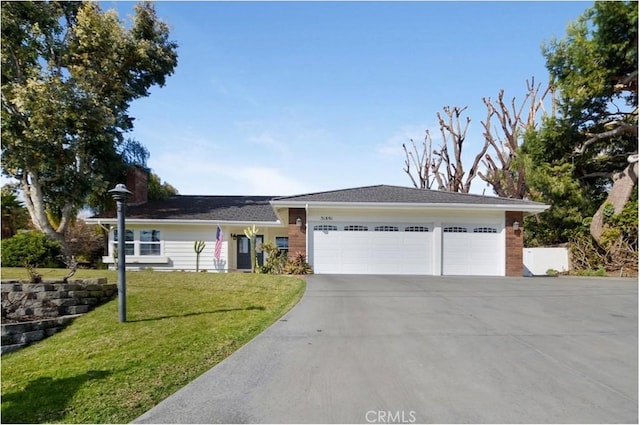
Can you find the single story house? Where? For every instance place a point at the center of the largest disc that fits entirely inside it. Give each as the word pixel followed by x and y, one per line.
pixel 364 230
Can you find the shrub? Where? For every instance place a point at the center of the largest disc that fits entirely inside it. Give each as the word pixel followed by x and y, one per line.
pixel 275 261
pixel 30 249
pixel 553 272
pixel 600 272
pixel 86 242
pixel 298 265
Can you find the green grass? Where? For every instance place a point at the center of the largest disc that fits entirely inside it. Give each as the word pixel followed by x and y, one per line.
pixel 178 326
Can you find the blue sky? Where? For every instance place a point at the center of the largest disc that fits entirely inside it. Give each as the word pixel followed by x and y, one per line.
pixel 281 98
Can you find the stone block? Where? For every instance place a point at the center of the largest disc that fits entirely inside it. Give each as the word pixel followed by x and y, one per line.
pixel 11 348
pixel 25 311
pixel 78 294
pixel 89 301
pixel 7 339
pixel 64 302
pixel 46 312
pixel 4 330
pixel 33 336
pixel 19 296
pixel 50 331
pixel 49 295
pixel 11 287
pixel 93 281
pixel 77 309
pixel 15 328
pixel 37 287
pixel 93 287
pixel 69 287
pixel 96 293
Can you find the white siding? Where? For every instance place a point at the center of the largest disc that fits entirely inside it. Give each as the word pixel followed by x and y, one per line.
pixel 177 251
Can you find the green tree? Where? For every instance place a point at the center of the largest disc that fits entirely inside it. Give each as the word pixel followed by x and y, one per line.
pixel 595 71
pixel 14 214
pixel 583 158
pixel 69 74
pixel 158 190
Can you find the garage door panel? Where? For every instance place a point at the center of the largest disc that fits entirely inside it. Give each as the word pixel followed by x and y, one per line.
pixel 372 252
pixel 471 250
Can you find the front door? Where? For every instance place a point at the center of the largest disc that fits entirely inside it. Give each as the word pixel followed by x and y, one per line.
pixel 244 252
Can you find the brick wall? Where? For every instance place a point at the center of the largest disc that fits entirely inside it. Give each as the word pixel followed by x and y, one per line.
pixel 297 235
pixel 137 182
pixel 514 244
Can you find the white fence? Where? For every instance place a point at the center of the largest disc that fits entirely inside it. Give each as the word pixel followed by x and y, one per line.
pixel 538 260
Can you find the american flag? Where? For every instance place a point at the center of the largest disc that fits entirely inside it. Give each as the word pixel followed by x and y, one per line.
pixel 218 249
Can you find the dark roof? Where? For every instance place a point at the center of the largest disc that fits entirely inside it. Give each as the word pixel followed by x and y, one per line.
pixel 224 208
pixel 258 208
pixel 398 194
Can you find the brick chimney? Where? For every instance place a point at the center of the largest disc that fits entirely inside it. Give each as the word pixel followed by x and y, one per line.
pixel 137 180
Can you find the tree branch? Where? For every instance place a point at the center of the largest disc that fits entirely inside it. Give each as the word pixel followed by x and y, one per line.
pixel 623 128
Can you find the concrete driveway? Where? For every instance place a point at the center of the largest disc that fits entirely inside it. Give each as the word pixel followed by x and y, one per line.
pixel 394 349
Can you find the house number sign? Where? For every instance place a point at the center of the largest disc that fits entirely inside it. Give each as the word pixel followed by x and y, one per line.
pixel 326 218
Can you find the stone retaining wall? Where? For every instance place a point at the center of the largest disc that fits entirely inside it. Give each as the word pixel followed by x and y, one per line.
pixel 33 311
pixel 18 335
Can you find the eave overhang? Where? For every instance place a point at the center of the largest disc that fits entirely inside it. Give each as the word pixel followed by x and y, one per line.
pixel 182 222
pixel 533 208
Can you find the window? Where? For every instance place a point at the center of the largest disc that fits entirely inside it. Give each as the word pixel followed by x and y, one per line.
pixel 416 229
pixel 149 242
pixel 325 227
pixel 282 242
pixel 128 237
pixel 386 229
pixel 455 229
pixel 485 230
pixel 356 228
pixel 243 245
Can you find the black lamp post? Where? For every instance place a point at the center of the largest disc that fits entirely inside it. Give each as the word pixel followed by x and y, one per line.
pixel 120 194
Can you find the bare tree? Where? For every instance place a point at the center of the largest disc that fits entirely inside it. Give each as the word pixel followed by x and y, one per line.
pixel 428 162
pixel 423 161
pixel 503 173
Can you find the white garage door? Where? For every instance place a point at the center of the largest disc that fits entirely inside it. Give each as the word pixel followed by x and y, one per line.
pixel 350 248
pixel 472 250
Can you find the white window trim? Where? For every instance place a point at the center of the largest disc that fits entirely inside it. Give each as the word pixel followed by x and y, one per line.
pixel 157 243
pixel 137 257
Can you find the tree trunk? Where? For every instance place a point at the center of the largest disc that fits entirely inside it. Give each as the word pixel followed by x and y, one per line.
pixel 34 201
pixel 623 184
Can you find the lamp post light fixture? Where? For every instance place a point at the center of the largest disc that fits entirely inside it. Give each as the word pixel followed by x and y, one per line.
pixel 516 225
pixel 120 193
pixel 299 222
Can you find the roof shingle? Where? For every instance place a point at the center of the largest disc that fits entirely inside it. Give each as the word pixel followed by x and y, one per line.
pixel 259 208
pixel 399 194
pixel 188 207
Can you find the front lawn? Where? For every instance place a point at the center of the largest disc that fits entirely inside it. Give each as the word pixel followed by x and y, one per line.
pixel 179 325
